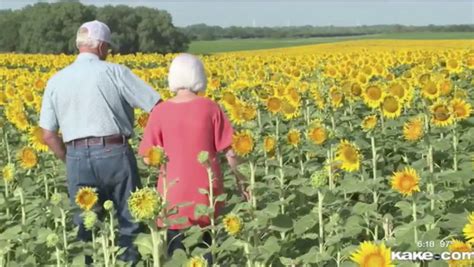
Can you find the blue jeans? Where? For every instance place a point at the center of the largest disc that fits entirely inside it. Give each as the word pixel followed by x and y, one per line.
pixel 113 171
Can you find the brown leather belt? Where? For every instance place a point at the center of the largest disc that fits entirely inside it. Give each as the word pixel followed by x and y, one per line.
pixel 91 141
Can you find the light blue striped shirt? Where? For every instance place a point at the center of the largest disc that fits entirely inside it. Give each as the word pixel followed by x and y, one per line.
pixel 92 97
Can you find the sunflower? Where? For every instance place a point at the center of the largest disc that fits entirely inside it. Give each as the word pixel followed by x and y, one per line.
pixel 317 134
pixel 369 122
pixel 196 261
pixel 86 197
pixel 445 87
pixel 468 229
pixel 373 96
pixel 36 139
pixel 453 66
pixel 289 110
pixel 461 109
pixel 228 98
pixel 156 156
pixel 8 172
pixel 236 113
pixel 430 90
pixel 406 181
pixel 144 204
pixel 413 129
pixel 441 114
pixel 269 144
pixel 336 97
pixel 348 155
pixel 242 143
pixel 459 246
pixel 371 255
pixel 294 137
pixel 391 107
pixel 232 224
pixel 28 158
pixel 142 120
pixel 89 219
pixel 249 112
pixel 274 104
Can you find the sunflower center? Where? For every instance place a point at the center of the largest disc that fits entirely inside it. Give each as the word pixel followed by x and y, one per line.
pixel 460 110
pixel 397 90
pixel 390 104
pixel 274 104
pixel 441 113
pixel 431 88
pixel 374 260
pixel 356 90
pixel 350 154
pixel 374 93
pixel 407 183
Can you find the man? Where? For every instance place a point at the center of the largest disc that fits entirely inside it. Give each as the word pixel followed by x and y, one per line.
pixel 92 102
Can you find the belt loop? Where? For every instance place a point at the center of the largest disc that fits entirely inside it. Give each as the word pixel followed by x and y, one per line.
pixel 123 139
pixel 73 143
pixel 103 140
pixel 87 142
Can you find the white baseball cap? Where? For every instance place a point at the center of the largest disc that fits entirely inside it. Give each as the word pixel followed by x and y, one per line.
pixel 98 30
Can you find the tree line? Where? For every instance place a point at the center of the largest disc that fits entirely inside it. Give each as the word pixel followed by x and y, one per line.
pixel 205 32
pixel 51 28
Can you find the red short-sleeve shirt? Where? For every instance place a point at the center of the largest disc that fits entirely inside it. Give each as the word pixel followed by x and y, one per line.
pixel 183 130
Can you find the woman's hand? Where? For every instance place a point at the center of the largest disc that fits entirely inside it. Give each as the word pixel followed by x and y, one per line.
pixel 234 161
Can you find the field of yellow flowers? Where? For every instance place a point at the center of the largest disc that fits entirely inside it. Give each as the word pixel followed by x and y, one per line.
pixel 352 151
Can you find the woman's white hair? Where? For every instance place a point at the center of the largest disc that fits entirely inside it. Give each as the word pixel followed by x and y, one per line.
pixel 187 72
pixel 83 39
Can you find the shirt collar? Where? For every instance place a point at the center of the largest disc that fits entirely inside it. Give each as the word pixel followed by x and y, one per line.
pixel 87 56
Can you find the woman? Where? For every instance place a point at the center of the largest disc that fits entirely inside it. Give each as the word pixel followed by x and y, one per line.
pixel 184 126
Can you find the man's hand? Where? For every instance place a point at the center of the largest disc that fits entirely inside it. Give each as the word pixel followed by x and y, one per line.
pixel 55 143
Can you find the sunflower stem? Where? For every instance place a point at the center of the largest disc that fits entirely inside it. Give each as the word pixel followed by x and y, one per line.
pixel 374 174
pixel 22 203
pixel 155 238
pixel 7 194
pixel 212 208
pixel 63 226
pixel 259 120
pixel 329 158
pixel 455 148
pixel 112 238
pixel 252 184
pixel 105 249
pixel 415 221
pixel 46 187
pixel 93 248
pixel 58 258
pixel 321 223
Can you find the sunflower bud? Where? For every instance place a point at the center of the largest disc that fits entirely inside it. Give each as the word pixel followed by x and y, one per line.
pixel 196 261
pixel 203 157
pixel 156 156
pixel 56 199
pixel 319 179
pixel 108 205
pixel 90 218
pixel 145 204
pixel 51 240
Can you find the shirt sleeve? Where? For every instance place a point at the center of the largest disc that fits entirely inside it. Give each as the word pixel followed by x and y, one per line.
pixel 152 135
pixel 223 131
pixel 48 119
pixel 136 92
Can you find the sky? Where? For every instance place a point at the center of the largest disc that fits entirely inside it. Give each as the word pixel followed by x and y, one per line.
pixel 297 13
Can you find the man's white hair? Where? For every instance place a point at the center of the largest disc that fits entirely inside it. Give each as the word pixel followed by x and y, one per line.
pixel 83 39
pixel 187 72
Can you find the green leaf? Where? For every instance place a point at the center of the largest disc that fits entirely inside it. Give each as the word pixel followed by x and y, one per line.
pixel 304 224
pixel 282 223
pixel 144 244
pixel 203 191
pixel 362 208
pixel 11 233
pixel 405 207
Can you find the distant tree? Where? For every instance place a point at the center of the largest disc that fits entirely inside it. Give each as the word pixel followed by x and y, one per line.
pixel 9 23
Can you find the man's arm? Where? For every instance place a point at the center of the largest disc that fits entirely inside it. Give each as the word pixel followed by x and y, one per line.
pixel 55 143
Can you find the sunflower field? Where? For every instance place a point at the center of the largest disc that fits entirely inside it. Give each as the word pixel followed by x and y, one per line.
pixel 352 151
